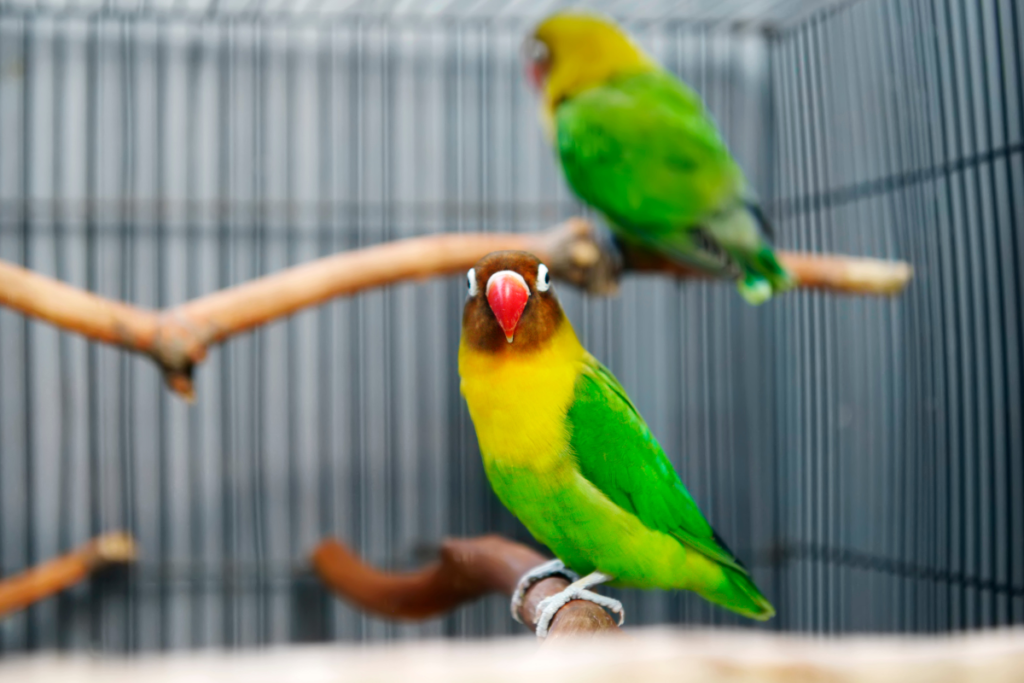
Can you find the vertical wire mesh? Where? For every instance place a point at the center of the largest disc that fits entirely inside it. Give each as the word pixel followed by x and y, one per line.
pixel 900 137
pixel 859 454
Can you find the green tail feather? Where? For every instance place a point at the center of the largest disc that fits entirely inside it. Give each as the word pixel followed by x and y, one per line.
pixel 741 595
pixel 750 603
pixel 763 276
pixel 742 232
pixel 732 244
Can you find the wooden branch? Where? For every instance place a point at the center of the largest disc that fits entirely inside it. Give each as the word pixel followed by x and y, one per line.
pixel 467 569
pixel 40 582
pixel 829 273
pixel 178 338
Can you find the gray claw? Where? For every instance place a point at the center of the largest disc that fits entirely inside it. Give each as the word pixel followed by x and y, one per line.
pixel 549 607
pixel 542 571
pixel 578 590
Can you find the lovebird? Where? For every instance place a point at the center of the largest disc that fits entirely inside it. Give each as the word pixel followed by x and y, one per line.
pixel 568 454
pixel 638 145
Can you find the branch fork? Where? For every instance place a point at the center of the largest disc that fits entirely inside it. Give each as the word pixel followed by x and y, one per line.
pixel 179 338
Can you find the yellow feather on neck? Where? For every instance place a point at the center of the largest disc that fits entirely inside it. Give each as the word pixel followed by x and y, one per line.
pixel 586 50
pixel 518 400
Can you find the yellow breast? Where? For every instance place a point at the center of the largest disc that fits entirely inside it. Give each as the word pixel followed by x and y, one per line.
pixel 518 401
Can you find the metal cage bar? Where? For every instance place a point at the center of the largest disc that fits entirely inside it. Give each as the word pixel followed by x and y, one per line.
pixel 861 455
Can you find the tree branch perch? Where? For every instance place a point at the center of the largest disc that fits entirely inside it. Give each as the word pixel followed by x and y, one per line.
pixel 21 590
pixel 468 568
pixel 178 338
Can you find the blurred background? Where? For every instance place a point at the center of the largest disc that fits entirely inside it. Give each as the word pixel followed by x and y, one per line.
pixel 864 456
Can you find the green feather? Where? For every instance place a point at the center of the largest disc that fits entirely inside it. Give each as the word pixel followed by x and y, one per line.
pixel 643 151
pixel 619 455
pixel 566 451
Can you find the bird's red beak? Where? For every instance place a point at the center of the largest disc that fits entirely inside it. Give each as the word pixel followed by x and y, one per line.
pixel 537 62
pixel 507 294
pixel 536 74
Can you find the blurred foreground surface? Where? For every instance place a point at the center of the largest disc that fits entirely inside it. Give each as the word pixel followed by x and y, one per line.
pixel 651 656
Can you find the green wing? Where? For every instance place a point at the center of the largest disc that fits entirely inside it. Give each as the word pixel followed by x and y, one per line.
pixel 618 454
pixel 642 150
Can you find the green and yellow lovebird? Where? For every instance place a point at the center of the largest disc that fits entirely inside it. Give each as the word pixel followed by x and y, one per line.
pixel 638 145
pixel 568 453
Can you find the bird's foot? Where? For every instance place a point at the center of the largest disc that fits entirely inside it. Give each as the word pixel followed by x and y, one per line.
pixel 578 590
pixel 539 573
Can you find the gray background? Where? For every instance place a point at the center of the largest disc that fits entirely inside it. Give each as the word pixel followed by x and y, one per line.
pixel 862 455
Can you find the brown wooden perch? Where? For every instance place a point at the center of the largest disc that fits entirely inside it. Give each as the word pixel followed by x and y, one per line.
pixel 178 338
pixel 468 568
pixel 40 582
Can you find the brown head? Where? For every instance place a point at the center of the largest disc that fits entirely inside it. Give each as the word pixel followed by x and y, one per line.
pixel 511 305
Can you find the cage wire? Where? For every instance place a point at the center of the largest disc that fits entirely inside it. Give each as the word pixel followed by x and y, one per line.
pixel 863 456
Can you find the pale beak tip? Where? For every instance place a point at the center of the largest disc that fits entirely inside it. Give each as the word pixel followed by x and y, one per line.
pixel 509 337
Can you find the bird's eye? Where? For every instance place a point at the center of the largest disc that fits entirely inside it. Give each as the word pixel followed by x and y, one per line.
pixel 543 278
pixel 535 52
pixel 471 281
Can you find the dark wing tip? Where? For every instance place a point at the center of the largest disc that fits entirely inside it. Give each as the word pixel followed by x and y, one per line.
pixel 724 546
pixel 758 213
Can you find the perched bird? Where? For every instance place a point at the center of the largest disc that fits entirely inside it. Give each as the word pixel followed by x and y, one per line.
pixel 638 145
pixel 567 452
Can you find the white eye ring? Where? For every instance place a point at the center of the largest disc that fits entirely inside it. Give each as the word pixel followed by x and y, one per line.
pixel 535 51
pixel 471 281
pixel 543 279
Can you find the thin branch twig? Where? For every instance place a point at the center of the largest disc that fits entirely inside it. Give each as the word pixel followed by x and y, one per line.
pixel 40 582
pixel 468 568
pixel 178 338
